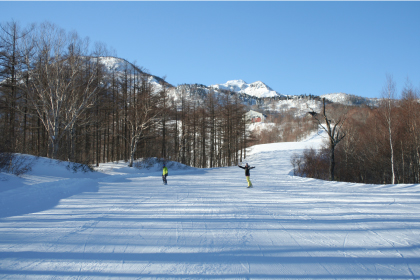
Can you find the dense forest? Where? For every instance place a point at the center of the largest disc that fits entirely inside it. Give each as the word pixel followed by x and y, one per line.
pixel 59 99
pixel 381 144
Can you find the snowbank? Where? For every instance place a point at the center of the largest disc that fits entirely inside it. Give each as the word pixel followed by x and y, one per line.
pixel 49 181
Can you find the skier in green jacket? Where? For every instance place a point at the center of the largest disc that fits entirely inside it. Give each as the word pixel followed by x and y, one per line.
pixel 165 174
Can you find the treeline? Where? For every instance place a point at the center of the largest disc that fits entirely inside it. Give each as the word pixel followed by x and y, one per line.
pixel 381 146
pixel 285 127
pixel 60 99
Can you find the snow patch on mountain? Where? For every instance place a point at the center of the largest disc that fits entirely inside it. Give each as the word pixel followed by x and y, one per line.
pixel 118 64
pixel 299 107
pixel 350 99
pixel 257 89
pixel 122 67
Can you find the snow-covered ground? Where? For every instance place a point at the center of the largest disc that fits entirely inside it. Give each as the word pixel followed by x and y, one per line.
pixel 122 223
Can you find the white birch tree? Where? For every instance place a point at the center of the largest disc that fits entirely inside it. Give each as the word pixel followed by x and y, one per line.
pixel 62 82
pixel 144 111
pixel 388 94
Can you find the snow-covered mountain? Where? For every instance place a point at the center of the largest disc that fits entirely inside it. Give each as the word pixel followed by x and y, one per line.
pixel 120 65
pixel 252 94
pixel 257 95
pixel 350 99
pixel 257 89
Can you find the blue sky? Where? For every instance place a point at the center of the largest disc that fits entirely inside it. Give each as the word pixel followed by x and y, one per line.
pixel 293 47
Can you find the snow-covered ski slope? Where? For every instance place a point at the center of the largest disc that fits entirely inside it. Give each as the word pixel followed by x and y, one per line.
pixel 205 224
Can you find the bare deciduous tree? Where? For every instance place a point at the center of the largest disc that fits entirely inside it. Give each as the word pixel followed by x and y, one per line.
pixel 334 131
pixel 144 111
pixel 388 94
pixel 11 68
pixel 62 81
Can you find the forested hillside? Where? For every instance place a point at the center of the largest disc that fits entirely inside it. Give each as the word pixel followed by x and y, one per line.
pixel 381 144
pixel 65 99
pixel 62 98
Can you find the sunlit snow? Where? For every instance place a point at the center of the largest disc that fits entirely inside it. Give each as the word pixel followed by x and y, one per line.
pixel 122 223
pixel 256 89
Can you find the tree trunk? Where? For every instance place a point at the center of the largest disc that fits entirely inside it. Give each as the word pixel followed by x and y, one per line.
pixel 332 161
pixel 133 148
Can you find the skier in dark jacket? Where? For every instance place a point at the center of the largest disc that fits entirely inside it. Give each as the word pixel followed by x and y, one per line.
pixel 247 173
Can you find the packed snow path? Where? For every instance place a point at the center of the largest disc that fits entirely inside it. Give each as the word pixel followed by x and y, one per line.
pixel 205 224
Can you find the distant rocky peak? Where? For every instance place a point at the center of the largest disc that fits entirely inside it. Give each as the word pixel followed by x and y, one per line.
pixel 259 85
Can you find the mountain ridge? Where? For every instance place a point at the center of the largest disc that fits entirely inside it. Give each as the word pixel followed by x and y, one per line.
pixel 258 89
pixel 255 93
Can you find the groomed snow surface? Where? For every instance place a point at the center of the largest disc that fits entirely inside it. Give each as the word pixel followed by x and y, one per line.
pixel 122 223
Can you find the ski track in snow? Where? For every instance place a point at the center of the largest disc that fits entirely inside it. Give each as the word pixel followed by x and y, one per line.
pixel 205 224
